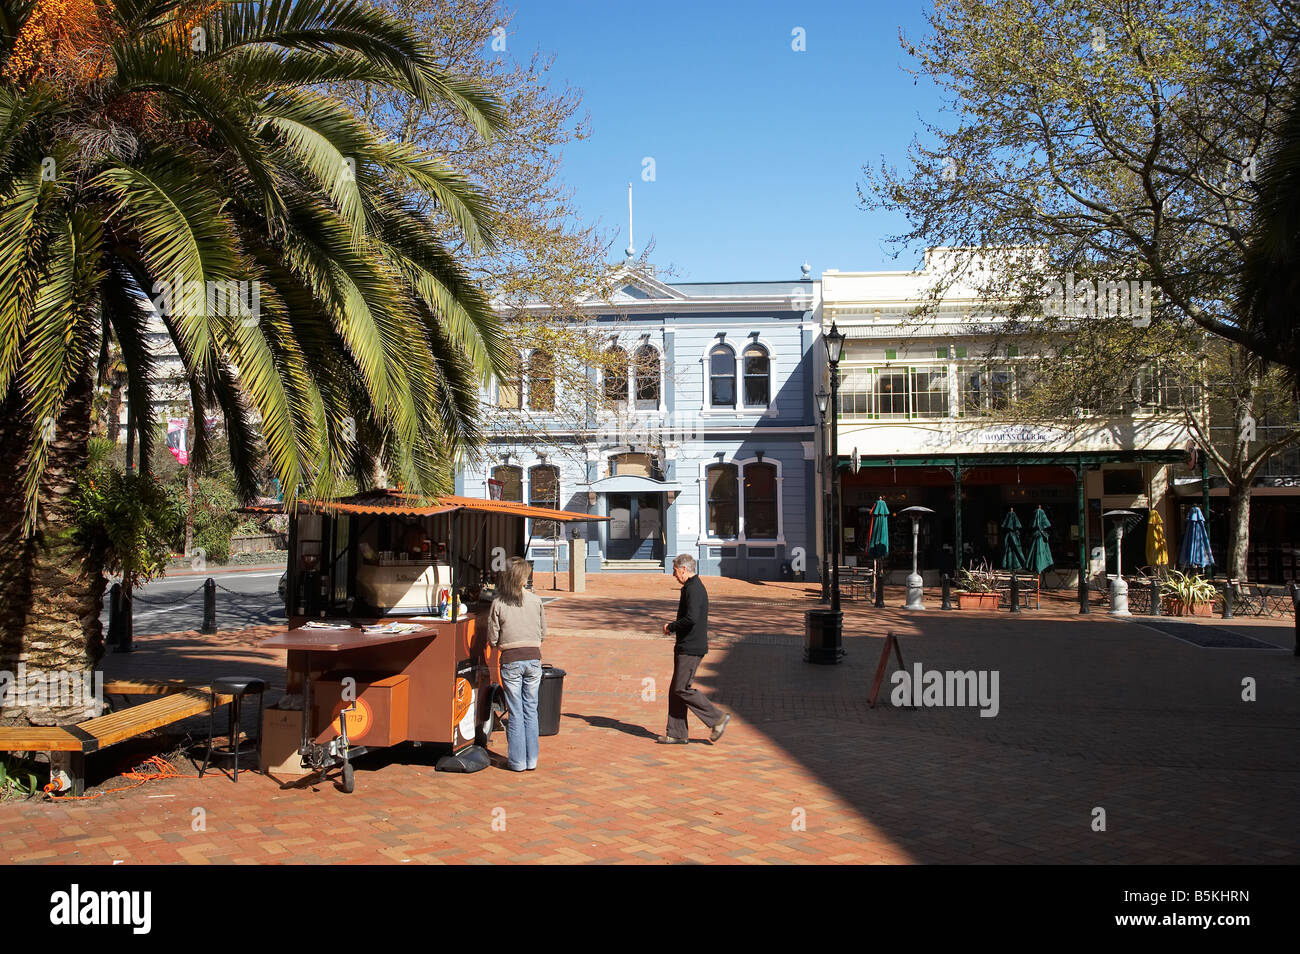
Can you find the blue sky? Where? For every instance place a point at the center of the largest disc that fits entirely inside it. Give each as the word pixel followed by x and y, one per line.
pixel 758 149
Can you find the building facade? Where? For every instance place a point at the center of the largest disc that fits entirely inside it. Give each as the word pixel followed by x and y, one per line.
pixel 925 420
pixel 696 436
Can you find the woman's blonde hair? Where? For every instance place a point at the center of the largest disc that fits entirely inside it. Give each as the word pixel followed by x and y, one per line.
pixel 512 580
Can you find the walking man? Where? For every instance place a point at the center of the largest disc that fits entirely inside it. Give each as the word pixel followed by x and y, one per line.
pixel 691 627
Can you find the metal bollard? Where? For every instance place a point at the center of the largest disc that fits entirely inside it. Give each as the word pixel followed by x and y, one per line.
pixel 947 592
pixel 114 614
pixel 1227 599
pixel 880 590
pixel 1155 597
pixel 1015 592
pixel 126 621
pixel 209 607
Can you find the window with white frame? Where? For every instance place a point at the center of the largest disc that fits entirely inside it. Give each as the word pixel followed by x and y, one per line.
pixel 757 367
pixel 986 391
pixel 742 501
pixel 544 491
pixel 615 391
pixel 722 376
pixel 510 389
pixel 511 479
pixel 541 381
pixel 722 496
pixel 894 392
pixel 760 501
pixel 646 377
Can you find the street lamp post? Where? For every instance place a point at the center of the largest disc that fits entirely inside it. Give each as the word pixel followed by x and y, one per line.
pixel 834 351
pixel 822 398
pixel 824 628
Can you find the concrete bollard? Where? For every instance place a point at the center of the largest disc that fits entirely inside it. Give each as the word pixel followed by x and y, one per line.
pixel 1227 599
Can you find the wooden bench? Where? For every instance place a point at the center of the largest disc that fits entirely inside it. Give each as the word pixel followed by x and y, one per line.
pixel 69 745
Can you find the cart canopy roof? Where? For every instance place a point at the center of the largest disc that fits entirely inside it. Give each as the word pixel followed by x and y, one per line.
pixel 398 504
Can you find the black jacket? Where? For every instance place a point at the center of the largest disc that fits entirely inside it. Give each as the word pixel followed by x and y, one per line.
pixel 692 624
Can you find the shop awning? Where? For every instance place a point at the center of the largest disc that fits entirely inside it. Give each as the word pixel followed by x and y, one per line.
pixel 393 503
pixel 1026 458
pixel 632 484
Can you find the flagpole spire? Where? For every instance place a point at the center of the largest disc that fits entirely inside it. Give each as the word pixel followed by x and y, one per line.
pixel 631 250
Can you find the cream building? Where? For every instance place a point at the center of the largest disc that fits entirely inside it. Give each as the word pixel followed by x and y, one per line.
pixel 924 421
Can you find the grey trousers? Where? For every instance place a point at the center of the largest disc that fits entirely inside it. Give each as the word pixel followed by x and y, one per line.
pixel 682 697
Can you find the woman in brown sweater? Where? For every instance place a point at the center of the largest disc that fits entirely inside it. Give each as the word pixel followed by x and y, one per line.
pixel 517 626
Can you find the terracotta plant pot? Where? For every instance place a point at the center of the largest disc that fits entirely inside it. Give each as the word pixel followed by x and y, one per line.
pixel 977 601
pixel 1175 607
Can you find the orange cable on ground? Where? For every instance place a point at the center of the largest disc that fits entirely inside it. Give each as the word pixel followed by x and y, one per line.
pixel 162 769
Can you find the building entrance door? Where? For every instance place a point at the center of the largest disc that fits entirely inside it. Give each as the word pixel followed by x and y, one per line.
pixel 636 527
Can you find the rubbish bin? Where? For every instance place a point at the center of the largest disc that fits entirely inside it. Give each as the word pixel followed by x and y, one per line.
pixel 823 637
pixel 548 700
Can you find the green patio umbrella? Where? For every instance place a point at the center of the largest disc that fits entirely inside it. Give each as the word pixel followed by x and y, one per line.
pixel 878 538
pixel 1013 555
pixel 1040 554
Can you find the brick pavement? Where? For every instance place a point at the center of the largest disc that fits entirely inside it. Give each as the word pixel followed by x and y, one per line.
pixel 1094 712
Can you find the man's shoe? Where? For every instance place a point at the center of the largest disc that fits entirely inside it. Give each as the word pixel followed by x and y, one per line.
pixel 669 740
pixel 720 728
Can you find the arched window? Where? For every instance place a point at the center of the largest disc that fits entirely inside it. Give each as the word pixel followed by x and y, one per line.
pixel 615 376
pixel 541 381
pixel 722 377
pixel 645 371
pixel 757 367
pixel 760 502
pixel 544 491
pixel 511 479
pixel 722 491
pixel 509 389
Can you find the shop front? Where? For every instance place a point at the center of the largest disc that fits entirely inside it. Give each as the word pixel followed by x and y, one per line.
pixel 971 495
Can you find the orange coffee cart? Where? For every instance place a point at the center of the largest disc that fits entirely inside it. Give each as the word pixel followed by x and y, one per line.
pixel 387 598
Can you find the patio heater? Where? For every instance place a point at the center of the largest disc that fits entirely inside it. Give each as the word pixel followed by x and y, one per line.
pixel 1118 588
pixel 915 595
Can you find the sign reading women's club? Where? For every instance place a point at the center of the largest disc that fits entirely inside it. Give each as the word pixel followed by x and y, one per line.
pixel 1013 434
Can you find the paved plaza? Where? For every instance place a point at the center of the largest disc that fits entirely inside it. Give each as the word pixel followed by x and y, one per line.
pixel 1094 713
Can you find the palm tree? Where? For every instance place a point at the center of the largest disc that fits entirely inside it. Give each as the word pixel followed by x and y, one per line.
pixel 154 155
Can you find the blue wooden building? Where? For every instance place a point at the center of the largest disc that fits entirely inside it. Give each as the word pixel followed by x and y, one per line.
pixel 697 436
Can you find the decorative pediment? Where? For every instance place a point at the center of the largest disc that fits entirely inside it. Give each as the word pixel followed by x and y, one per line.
pixel 630 284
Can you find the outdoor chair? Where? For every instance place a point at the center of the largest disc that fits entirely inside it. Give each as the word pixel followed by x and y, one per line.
pixel 236 687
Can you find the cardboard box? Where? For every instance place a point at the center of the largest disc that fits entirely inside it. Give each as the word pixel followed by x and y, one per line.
pixel 281 736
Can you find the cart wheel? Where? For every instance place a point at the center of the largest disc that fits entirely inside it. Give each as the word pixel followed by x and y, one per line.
pixel 348 780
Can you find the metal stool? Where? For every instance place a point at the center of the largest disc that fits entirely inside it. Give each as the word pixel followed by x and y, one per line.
pixel 237 687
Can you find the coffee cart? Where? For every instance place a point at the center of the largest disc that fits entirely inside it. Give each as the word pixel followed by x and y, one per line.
pixel 387 641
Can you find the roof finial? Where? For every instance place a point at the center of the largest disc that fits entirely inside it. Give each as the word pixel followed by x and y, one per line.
pixel 806 269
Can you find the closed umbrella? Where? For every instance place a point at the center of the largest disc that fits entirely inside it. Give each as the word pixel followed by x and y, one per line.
pixel 878 538
pixel 1195 550
pixel 1157 545
pixel 1013 555
pixel 1040 554
pixel 878 544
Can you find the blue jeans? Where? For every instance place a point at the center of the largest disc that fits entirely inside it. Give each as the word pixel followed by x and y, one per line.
pixel 522 682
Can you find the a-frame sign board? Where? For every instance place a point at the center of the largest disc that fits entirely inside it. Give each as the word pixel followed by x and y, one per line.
pixel 891 642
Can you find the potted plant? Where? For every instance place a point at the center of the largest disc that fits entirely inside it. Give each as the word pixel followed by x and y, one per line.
pixel 1187 594
pixel 977 588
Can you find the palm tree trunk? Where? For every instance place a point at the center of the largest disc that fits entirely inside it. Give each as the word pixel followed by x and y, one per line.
pixel 50 585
